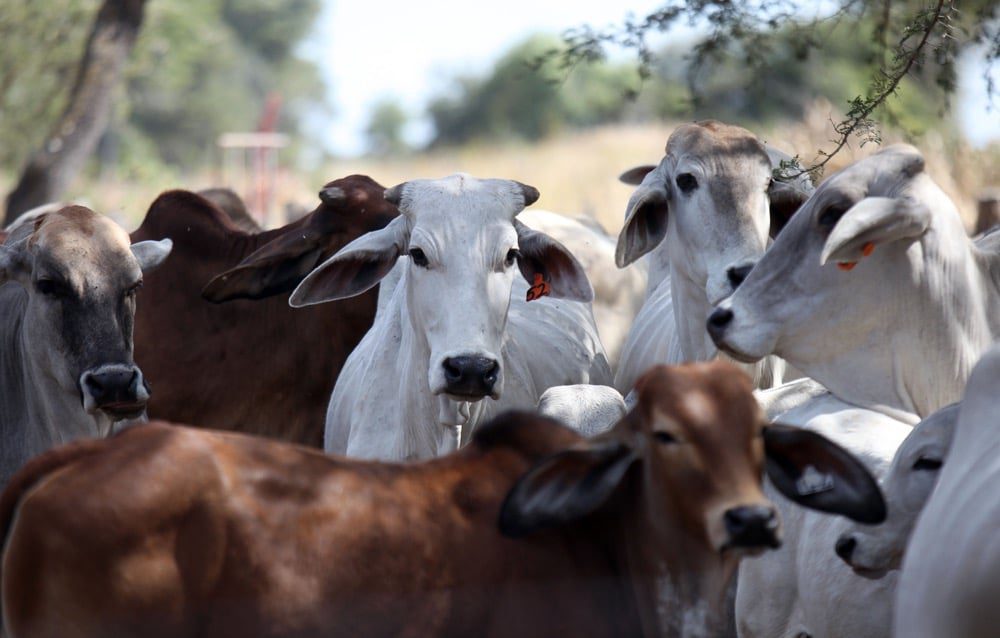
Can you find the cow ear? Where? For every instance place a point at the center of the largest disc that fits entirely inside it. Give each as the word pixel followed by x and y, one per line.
pixel 542 256
pixel 357 267
pixel 274 268
pixel 150 254
pixel 817 473
pixel 10 264
pixel 565 487
pixel 785 198
pixel 645 220
pixel 636 174
pixel 874 221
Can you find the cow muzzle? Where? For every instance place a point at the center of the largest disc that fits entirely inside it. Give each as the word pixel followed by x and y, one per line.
pixel 751 528
pixel 118 390
pixel 471 377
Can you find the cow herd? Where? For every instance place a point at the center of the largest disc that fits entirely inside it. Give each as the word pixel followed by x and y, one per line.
pixel 525 424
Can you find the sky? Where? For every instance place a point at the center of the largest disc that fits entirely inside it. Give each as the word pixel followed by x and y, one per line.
pixel 369 50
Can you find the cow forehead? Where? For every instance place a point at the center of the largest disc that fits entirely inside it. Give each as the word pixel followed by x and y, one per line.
pixel 459 207
pixel 702 399
pixel 79 239
pixel 717 146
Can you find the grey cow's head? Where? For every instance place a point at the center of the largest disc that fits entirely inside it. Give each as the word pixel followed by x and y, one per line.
pixel 711 202
pixel 81 276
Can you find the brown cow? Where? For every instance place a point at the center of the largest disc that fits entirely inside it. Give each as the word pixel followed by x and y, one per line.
pixel 254 366
pixel 530 530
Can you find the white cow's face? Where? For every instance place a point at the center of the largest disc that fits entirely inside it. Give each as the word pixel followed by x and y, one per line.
pixel 708 202
pixel 464 248
pixel 837 278
pixel 81 277
pixel 872 551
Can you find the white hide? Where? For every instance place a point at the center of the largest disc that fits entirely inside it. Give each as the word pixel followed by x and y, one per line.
pixel 390 401
pixel 588 409
pixel 803 588
pixel 900 331
pixel 618 293
pixel 950 581
pixel 693 239
pixel 876 549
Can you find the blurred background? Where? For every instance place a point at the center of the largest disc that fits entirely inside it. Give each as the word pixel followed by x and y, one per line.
pixel 273 98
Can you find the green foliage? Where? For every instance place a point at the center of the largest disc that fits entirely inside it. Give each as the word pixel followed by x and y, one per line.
pixel 518 100
pixel 198 69
pixel 385 128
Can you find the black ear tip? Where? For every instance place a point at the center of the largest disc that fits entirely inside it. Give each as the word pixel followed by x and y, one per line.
pixel 530 193
pixel 332 194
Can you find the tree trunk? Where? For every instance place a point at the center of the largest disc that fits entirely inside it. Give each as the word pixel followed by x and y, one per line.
pixel 74 137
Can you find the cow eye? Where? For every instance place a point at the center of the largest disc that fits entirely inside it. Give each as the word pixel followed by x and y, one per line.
pixel 831 215
pixel 664 437
pixel 418 257
pixel 927 464
pixel 130 292
pixel 52 288
pixel 686 182
pixel 512 256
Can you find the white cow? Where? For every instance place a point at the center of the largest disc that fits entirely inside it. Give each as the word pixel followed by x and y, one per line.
pixel 618 293
pixel 456 327
pixel 950 581
pixel 68 281
pixel 873 551
pixel 703 215
pixel 873 289
pixel 803 588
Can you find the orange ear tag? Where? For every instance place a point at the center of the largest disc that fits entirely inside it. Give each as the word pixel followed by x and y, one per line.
pixel 846 265
pixel 868 249
pixel 539 289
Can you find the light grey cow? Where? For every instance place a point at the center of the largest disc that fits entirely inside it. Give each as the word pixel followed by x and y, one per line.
pixel 68 281
pixel 873 551
pixel 950 581
pixel 703 216
pixel 456 340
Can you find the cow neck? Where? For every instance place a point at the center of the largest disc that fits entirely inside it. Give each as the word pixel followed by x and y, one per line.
pixel 690 310
pixel 422 413
pixel 680 587
pixel 937 335
pixel 36 413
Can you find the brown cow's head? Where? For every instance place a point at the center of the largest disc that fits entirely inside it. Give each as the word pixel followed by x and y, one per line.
pixel 81 276
pixel 690 456
pixel 349 207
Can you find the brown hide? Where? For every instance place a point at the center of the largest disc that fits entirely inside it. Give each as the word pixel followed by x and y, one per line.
pixel 253 366
pixel 217 534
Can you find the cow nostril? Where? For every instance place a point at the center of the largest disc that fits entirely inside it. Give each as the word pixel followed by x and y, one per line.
pixel 452 372
pixel 720 318
pixel 737 274
pixel 93 384
pixel 845 547
pixel 490 376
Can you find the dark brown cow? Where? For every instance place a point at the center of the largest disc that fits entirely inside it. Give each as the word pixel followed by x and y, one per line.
pixel 254 366
pixel 530 530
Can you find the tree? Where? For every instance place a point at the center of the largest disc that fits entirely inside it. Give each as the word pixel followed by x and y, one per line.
pixel 76 133
pixel 385 128
pixel 910 37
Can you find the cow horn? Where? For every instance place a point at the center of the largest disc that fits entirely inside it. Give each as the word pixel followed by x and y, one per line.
pixel 332 194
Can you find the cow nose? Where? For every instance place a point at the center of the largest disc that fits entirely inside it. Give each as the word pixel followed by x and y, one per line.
pixel 737 274
pixel 845 547
pixel 717 323
pixel 470 376
pixel 752 526
pixel 119 390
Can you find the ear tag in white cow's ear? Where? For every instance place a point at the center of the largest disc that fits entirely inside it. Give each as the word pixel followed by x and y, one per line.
pixel 813 481
pixel 540 288
pixel 866 250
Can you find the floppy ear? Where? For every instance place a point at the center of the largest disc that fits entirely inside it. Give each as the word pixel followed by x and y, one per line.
pixel 276 267
pixel 874 220
pixel 10 264
pixel 565 487
pixel 357 267
pixel 817 473
pixel 559 269
pixel 785 198
pixel 645 220
pixel 150 254
pixel 636 174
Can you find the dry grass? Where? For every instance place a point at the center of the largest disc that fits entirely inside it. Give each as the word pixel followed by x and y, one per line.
pixel 576 172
